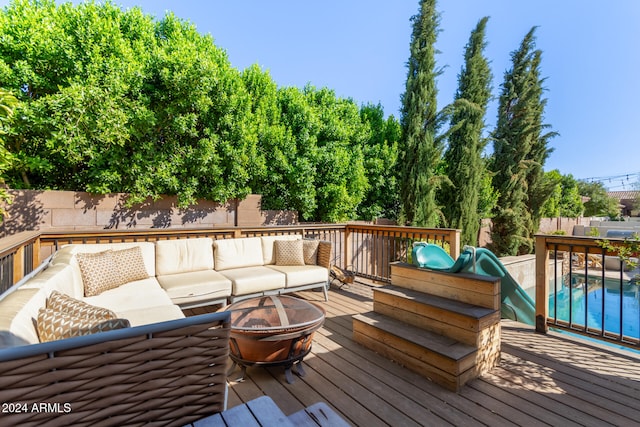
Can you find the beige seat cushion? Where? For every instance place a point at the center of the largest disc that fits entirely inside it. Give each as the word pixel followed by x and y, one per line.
pixel 251 280
pixel 195 286
pixel 268 254
pixel 298 275
pixel 133 295
pixel 149 315
pixel 237 253
pixel 184 255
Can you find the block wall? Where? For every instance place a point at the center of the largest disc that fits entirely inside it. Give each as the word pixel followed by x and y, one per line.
pixel 72 210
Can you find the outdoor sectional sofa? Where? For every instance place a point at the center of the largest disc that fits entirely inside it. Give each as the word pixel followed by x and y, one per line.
pixel 149 282
pixel 137 358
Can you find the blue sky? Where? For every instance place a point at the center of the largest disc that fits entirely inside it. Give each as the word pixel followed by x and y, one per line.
pixel 359 48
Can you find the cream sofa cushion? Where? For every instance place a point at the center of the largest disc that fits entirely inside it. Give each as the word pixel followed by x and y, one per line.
pixel 184 255
pixel 268 254
pixel 195 286
pixel 249 280
pixel 133 295
pixel 298 275
pixel 148 315
pixel 238 253
pixel 18 311
pixel 62 277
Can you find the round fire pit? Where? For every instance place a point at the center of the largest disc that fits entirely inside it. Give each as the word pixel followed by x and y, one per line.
pixel 272 331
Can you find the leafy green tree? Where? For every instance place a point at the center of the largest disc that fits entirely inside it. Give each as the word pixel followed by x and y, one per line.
pixel 203 142
pixel 314 150
pixel 488 195
pixel 421 150
pixel 278 183
pixel 340 160
pixel 297 189
pixel 463 160
pixel 114 101
pixel 598 203
pixel 380 158
pixel 537 187
pixel 519 152
pixel 8 102
pixel 564 199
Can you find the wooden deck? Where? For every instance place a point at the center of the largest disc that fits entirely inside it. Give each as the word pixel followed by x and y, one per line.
pixel 541 380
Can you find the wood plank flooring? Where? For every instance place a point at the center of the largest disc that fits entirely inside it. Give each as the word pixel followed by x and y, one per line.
pixel 541 380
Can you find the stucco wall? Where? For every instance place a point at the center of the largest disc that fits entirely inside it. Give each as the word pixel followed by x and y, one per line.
pixel 71 210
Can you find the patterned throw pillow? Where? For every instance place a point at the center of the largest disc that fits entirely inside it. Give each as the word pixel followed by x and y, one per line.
pixel 130 264
pixel 310 250
pixel 64 303
pixel 289 252
pixel 54 325
pixel 99 272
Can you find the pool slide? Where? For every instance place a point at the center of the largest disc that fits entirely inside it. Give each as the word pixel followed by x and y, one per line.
pixel 516 303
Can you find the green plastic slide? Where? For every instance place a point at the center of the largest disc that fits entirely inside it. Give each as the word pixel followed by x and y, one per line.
pixel 516 303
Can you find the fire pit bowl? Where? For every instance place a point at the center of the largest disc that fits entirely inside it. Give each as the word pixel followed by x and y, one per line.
pixel 273 330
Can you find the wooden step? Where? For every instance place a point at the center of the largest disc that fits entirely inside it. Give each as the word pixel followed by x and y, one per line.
pixel 483 291
pixel 443 360
pixel 467 323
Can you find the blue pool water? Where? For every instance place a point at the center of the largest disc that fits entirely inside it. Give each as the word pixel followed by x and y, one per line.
pixel 591 304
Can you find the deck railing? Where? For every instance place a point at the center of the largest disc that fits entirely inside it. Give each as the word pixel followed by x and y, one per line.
pixel 365 248
pixel 582 288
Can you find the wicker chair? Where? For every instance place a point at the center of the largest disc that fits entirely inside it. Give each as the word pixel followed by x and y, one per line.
pixel 169 373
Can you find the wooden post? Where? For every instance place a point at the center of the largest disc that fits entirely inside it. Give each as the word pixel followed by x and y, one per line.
pixel 35 261
pixel 18 264
pixel 542 284
pixel 347 248
pixel 454 244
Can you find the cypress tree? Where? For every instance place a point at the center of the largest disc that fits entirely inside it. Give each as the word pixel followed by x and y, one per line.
pixel 519 152
pixel 464 164
pixel 539 189
pixel 421 150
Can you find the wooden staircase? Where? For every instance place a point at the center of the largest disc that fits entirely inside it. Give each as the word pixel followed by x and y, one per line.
pixel 443 326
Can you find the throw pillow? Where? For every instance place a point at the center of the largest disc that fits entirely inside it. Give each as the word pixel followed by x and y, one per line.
pixel 54 325
pixel 130 264
pixel 64 303
pixel 289 252
pixel 310 250
pixel 99 272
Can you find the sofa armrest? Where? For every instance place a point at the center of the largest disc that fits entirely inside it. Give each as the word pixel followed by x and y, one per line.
pixel 324 254
pixel 166 373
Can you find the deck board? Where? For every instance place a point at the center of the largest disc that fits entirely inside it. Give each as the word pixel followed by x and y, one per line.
pixel 541 380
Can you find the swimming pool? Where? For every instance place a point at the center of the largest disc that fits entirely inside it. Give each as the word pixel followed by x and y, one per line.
pixel 621 305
